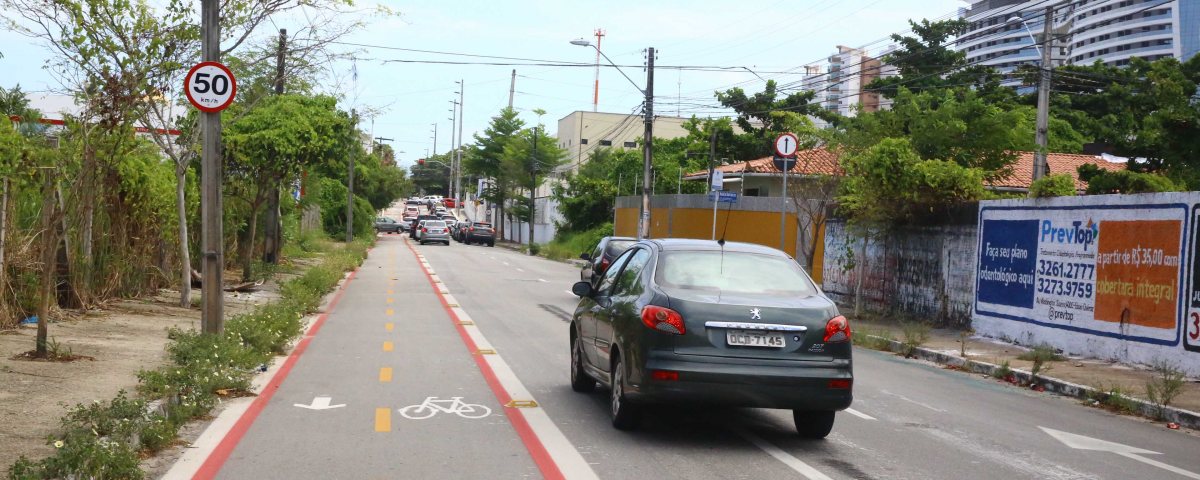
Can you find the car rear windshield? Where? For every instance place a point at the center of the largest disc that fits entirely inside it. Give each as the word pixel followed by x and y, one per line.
pixel 435 224
pixel 482 225
pixel 616 247
pixel 734 272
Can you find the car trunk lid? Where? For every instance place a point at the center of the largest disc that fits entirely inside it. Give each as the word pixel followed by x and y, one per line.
pixel 710 315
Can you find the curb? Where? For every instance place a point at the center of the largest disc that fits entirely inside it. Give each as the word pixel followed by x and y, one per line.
pixel 1185 418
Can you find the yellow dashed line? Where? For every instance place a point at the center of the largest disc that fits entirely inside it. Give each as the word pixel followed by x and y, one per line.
pixel 385 374
pixel 390 312
pixel 389 326
pixel 389 292
pixel 390 300
pixel 387 346
pixel 383 419
pixel 390 284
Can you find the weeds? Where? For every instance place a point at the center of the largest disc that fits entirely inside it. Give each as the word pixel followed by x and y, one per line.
pixel 104 440
pixel 1113 397
pixel 964 336
pixel 872 339
pixel 1169 383
pixel 1040 354
pixel 1003 371
pixel 915 335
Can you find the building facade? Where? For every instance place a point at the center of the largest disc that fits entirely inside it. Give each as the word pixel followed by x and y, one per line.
pixel 838 87
pixel 1109 31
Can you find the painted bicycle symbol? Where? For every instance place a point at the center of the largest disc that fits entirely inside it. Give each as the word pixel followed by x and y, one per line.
pixel 431 406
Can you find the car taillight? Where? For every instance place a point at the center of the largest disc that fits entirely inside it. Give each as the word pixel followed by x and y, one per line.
pixel 837 330
pixel 472 229
pixel 604 264
pixel 662 319
pixel 493 230
pixel 424 229
pixel 664 375
pixel 839 384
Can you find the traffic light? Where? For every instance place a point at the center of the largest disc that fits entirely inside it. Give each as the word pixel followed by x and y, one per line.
pixel 421 161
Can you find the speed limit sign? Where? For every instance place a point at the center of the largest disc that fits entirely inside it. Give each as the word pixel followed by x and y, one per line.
pixel 210 86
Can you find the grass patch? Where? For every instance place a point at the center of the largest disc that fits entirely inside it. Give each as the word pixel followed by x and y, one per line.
pixel 568 245
pixel 1168 384
pixel 873 339
pixel 1112 397
pixel 106 440
pixel 1040 355
pixel 915 335
pixel 1003 371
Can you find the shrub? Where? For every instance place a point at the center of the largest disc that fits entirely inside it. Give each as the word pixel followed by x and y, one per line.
pixel 915 335
pixel 1057 185
pixel 872 339
pixel 1169 383
pixel 1114 397
pixel 1040 354
pixel 1003 371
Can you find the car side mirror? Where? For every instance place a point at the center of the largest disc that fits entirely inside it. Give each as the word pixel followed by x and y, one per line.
pixel 581 289
pixel 585 256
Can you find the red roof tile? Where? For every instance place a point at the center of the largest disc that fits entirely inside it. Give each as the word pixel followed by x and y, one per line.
pixel 816 161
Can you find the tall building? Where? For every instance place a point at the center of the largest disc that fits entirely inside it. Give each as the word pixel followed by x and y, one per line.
pixel 839 86
pixel 1111 31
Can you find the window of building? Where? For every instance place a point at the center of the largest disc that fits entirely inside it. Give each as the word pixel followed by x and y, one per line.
pixel 605 143
pixel 630 145
pixel 583 141
pixel 752 192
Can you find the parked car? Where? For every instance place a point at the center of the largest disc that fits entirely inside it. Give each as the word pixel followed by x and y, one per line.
pixel 480 232
pixel 728 324
pixel 432 200
pixel 413 201
pixel 435 231
pixel 460 230
pixel 449 202
pixel 386 225
pixel 602 256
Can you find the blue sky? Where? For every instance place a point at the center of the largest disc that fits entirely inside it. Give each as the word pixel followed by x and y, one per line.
pixel 764 35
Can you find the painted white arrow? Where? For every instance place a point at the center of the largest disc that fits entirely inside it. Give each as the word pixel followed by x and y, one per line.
pixel 1080 442
pixel 320 403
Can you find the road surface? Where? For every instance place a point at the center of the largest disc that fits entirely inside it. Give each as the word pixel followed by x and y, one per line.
pixel 393 341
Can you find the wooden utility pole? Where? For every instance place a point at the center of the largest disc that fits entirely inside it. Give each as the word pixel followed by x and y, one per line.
pixel 647 148
pixel 350 179
pixel 273 236
pixel 212 316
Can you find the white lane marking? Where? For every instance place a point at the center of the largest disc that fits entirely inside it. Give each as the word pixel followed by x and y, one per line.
pixel 570 292
pixel 859 414
pixel 1080 442
pixel 519 270
pixel 787 459
pixel 493 258
pixel 543 280
pixel 902 397
pixel 506 263
pixel 564 454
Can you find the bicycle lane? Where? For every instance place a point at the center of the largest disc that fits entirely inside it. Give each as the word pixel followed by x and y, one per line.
pixel 388 345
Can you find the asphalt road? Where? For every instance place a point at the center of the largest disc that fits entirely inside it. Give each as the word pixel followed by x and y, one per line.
pixel 909 420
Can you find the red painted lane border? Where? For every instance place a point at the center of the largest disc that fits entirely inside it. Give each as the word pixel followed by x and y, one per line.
pixel 217 458
pixel 540 455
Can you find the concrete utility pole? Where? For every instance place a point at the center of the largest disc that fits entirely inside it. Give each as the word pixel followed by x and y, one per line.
pixel 453 118
pixel 648 146
pixel 462 91
pixel 350 180
pixel 1043 108
pixel 536 164
pixel 212 315
pixel 273 235
pixel 512 87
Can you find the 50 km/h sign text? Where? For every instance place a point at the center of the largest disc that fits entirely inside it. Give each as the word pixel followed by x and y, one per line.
pixel 210 86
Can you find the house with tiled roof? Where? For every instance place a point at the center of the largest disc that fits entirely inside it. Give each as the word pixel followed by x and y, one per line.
pixel 760 178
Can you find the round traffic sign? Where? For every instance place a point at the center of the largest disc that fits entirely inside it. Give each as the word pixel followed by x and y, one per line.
pixel 786 144
pixel 210 86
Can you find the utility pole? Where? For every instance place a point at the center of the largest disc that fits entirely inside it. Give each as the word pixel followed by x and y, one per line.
pixel 435 139
pixel 273 235
pixel 350 180
pixel 1043 108
pixel 453 118
pixel 462 91
pixel 512 87
pixel 533 187
pixel 596 90
pixel 648 146
pixel 212 315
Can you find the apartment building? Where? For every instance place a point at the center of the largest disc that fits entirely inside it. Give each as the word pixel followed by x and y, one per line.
pixel 1083 32
pixel 839 86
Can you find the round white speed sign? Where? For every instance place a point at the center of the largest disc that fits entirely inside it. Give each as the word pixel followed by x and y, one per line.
pixel 210 86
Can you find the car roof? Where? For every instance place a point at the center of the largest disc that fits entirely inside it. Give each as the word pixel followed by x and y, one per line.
pixel 683 244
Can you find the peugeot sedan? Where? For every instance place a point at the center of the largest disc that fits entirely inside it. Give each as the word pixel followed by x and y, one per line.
pixel 714 323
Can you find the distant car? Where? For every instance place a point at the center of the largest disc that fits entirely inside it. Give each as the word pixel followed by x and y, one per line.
pixel 602 256
pixel 435 231
pixel 432 200
pixel 460 230
pixel 413 202
pixel 405 224
pixel 449 202
pixel 480 232
pixel 416 230
pixel 386 225
pixel 729 324
pixel 412 210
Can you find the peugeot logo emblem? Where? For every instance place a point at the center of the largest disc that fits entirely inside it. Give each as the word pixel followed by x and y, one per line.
pixel 755 314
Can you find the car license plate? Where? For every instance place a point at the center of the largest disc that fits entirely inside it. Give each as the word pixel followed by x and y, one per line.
pixel 751 338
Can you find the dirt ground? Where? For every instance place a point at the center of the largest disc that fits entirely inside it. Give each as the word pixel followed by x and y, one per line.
pixel 123 338
pixel 1083 371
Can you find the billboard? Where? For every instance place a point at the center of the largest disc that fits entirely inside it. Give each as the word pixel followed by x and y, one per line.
pixel 1119 269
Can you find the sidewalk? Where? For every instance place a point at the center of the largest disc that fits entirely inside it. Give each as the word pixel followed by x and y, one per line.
pixel 1083 371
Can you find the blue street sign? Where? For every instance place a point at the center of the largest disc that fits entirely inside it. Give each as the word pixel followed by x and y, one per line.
pixel 726 196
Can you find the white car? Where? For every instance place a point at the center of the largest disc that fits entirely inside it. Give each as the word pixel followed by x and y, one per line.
pixel 432 200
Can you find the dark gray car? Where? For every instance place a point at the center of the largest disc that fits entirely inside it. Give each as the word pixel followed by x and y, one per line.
pixel 602 256
pixel 386 225
pixel 690 321
pixel 481 233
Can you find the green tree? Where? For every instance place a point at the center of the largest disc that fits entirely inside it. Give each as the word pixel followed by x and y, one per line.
pixel 1105 182
pixel 1057 185
pixel 528 157
pixel 483 158
pixel 763 116
pixel 432 177
pixel 890 184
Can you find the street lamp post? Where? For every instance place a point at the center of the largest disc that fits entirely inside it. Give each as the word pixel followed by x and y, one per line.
pixel 648 136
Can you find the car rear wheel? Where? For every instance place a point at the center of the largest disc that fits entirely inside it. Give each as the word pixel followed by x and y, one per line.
pixel 580 381
pixel 625 415
pixel 814 424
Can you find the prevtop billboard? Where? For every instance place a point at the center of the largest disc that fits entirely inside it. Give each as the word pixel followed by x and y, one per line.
pixel 1112 276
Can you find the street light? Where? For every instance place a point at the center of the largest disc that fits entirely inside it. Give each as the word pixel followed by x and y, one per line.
pixel 584 43
pixel 1017 19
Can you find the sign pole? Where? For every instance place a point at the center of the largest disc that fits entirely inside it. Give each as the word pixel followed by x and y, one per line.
pixel 213 258
pixel 786 145
pixel 783 212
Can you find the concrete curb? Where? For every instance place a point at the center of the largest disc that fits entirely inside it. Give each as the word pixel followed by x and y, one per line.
pixel 1185 418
